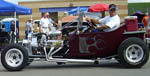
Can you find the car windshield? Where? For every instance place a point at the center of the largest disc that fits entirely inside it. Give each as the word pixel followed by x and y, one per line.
pixel 94 15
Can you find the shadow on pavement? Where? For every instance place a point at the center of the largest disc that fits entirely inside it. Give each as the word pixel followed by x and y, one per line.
pixel 72 66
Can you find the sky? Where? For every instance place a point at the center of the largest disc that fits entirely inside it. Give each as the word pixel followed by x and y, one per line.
pixel 130 1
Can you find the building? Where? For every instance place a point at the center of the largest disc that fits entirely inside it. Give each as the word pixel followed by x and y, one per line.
pixel 53 5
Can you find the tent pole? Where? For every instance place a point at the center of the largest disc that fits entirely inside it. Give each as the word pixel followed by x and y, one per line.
pixel 31 17
pixel 78 24
pixel 15 15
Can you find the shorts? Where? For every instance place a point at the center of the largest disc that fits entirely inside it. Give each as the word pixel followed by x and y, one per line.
pixel 45 30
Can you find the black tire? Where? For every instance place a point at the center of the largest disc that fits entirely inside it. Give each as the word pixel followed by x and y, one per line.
pixel 14 57
pixel 129 51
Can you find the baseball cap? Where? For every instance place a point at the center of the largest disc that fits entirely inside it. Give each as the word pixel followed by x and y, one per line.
pixel 113 7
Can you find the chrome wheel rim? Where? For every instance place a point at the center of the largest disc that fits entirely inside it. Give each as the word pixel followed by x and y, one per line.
pixel 134 53
pixel 14 57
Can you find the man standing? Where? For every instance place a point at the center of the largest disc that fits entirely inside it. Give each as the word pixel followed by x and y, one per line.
pixel 12 32
pixel 45 23
pixel 108 23
pixel 145 20
pixel 29 28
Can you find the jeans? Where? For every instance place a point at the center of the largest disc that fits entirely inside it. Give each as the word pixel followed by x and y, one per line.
pixel 26 33
pixel 95 30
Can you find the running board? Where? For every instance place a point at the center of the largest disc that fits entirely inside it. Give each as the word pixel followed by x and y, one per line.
pixel 71 60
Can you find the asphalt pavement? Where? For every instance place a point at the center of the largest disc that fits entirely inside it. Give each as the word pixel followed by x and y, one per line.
pixel 105 68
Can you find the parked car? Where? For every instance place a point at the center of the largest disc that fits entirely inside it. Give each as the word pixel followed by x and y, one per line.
pixel 4 37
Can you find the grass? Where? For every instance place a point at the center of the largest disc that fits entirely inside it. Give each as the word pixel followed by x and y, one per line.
pixel 144 7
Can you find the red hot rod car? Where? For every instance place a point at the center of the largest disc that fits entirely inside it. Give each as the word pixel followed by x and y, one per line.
pixel 128 45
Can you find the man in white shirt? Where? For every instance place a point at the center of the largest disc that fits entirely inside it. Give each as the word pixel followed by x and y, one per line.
pixel 45 23
pixel 108 23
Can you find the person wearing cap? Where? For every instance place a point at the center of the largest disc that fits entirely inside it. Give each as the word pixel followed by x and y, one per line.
pixel 45 23
pixel 108 23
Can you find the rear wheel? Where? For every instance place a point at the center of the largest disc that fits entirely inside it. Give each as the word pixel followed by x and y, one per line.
pixel 133 53
pixel 14 57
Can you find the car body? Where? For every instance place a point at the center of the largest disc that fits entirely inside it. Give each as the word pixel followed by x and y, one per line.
pixel 129 47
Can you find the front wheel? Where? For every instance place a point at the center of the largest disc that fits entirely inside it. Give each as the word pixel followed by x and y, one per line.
pixel 133 53
pixel 14 57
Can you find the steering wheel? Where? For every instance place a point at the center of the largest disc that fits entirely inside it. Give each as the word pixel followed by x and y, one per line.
pixel 91 24
pixel 89 27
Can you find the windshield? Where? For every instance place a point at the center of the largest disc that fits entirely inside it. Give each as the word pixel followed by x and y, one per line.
pixel 94 15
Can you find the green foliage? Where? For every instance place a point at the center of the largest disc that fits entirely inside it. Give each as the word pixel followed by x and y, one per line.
pixel 144 7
